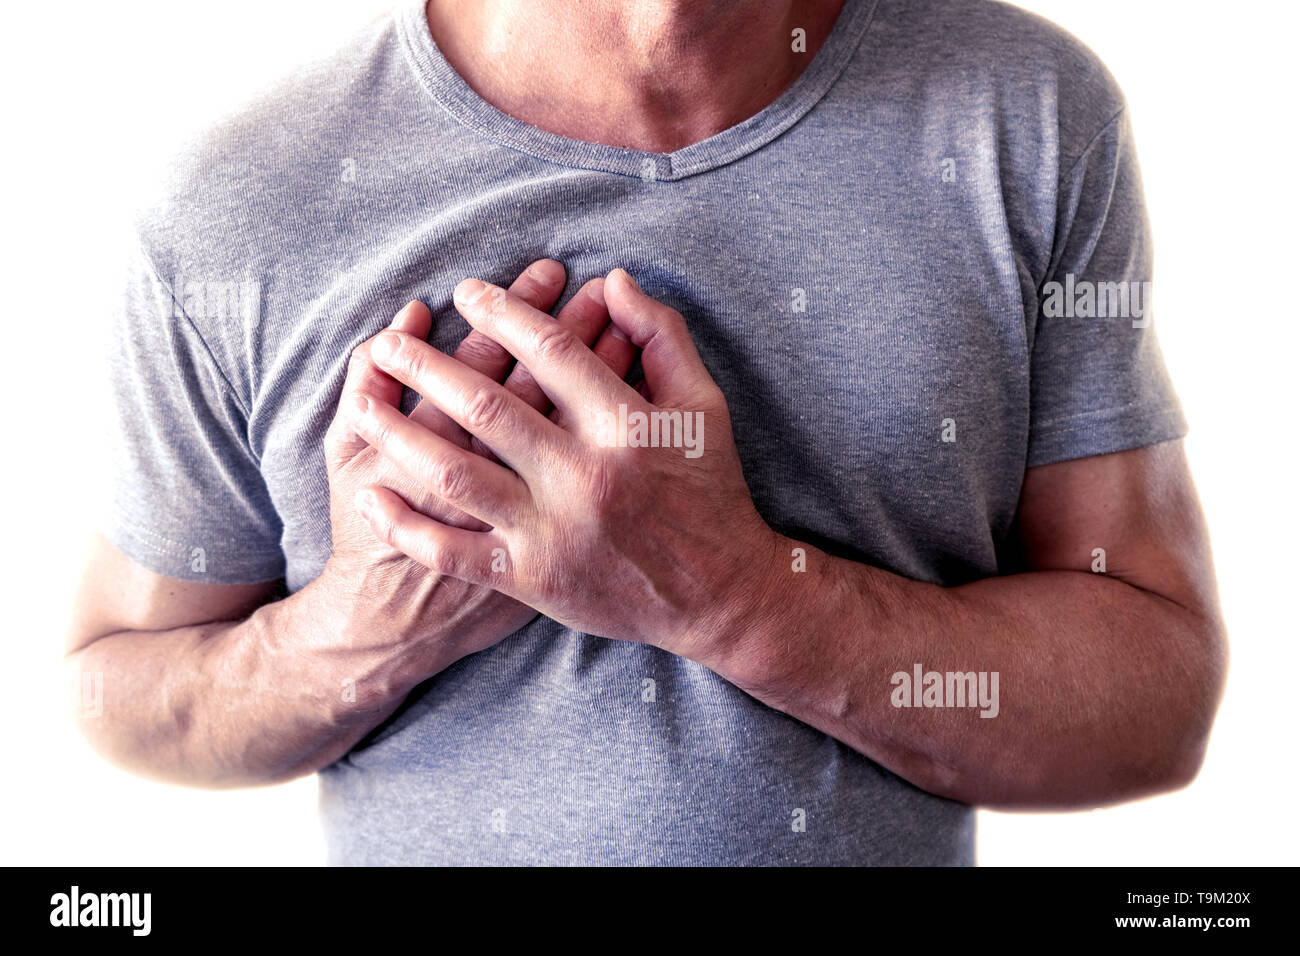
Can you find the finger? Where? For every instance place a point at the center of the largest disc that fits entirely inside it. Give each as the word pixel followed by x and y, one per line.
pixel 615 350
pixel 365 378
pixel 580 385
pixel 470 482
pixel 585 316
pixel 516 433
pixel 540 285
pixel 674 372
pixel 471 556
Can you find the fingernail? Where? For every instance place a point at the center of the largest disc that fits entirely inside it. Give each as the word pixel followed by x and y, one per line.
pixel 618 333
pixel 363 404
pixel 385 346
pixel 469 291
pixel 597 291
pixel 403 312
pixel 542 270
pixel 629 278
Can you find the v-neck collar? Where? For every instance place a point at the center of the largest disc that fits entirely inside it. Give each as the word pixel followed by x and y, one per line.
pixel 454 95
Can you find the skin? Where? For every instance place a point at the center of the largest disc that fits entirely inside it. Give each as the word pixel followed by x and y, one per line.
pixel 653 75
pixel 219 686
pixel 1109 681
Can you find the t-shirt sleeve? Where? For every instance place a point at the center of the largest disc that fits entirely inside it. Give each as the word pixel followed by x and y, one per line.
pixel 1098 382
pixel 187 498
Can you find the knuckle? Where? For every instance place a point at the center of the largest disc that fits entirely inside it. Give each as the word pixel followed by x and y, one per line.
pixel 437 558
pixel 549 578
pixel 485 409
pixel 406 355
pixel 554 342
pixel 450 479
pixel 478 351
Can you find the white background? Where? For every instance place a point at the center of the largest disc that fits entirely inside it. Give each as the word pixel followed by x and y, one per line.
pixel 97 95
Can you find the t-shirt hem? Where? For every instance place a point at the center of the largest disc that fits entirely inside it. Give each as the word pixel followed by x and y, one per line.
pixel 174 559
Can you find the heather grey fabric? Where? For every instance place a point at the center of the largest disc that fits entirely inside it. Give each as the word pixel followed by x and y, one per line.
pixel 861 266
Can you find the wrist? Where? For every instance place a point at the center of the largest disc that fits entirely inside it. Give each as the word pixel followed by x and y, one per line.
pixel 370 654
pixel 750 604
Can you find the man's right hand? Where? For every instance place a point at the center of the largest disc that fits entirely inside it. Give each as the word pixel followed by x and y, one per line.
pixel 440 619
pixel 224 685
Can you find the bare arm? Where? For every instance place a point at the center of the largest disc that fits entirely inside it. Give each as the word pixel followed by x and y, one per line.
pixel 1108 682
pixel 221 686
pixel 227 685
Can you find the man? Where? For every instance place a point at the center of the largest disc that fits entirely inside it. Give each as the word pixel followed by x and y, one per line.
pixel 897 521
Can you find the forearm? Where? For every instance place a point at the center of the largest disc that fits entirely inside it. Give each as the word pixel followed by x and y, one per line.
pixel 1106 691
pixel 282 693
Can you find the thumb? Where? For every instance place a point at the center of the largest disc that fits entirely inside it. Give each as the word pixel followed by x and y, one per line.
pixel 674 372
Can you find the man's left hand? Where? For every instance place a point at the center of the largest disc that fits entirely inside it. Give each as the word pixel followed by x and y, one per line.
pixel 594 522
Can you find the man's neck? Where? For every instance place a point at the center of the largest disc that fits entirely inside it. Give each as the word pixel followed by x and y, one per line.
pixel 652 75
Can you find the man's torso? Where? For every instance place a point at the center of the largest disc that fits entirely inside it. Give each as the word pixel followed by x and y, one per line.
pixel 860 282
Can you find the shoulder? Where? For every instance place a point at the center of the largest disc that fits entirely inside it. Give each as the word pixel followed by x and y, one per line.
pixel 229 198
pixel 997 57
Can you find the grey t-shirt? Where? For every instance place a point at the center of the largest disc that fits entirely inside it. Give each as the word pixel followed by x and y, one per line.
pixel 862 266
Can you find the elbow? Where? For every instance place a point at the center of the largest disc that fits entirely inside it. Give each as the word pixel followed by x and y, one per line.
pixel 86 685
pixel 84 699
pixel 1184 766
pixel 1181 761
pixel 1155 748
pixel 112 724
pixel 83 673
pixel 1196 696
